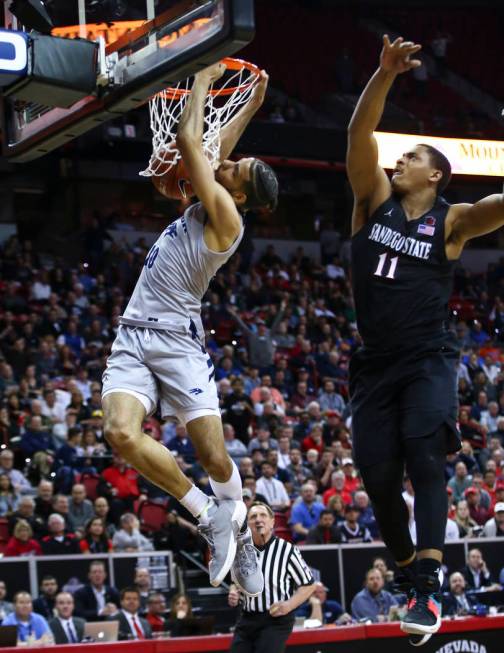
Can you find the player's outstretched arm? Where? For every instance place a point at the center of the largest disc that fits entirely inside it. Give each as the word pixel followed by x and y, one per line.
pixel 369 182
pixel 231 133
pixel 466 221
pixel 222 212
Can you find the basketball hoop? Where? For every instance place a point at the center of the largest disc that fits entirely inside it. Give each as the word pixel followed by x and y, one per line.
pixel 224 99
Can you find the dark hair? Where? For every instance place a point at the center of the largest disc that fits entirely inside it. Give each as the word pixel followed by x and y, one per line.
pixel 262 188
pixel 103 539
pixel 128 590
pixel 173 614
pixel 326 512
pixel 440 162
pixel 48 577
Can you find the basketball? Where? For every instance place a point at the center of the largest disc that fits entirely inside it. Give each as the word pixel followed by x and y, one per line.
pixel 174 183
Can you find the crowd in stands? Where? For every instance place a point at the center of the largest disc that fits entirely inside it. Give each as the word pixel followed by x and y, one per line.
pixel 280 334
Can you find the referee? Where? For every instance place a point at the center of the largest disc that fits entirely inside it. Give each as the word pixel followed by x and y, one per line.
pixel 266 621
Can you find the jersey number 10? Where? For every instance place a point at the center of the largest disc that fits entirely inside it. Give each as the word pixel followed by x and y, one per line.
pixel 379 272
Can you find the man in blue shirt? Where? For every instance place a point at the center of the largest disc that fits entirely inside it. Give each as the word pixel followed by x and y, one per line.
pixel 32 627
pixel 305 515
pixel 373 603
pixel 320 607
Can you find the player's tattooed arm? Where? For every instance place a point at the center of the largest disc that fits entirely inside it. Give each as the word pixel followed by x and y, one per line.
pixel 232 131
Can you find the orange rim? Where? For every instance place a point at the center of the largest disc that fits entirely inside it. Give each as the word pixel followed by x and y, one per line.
pixel 231 64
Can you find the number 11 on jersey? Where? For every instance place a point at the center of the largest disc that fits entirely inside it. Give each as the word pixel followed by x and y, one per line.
pixel 382 259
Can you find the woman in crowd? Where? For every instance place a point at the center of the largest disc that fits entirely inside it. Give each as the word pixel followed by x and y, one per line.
pixel 95 538
pixel 22 543
pixel 463 520
pixel 337 506
pixel 9 498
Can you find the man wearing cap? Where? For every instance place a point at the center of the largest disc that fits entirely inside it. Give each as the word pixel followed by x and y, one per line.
pixel 476 510
pixel 495 526
pixel 352 482
pixel 351 531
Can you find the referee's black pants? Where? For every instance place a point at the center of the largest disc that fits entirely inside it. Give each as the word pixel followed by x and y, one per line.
pixel 261 633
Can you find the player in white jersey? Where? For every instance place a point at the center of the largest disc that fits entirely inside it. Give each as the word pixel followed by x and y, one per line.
pixel 159 352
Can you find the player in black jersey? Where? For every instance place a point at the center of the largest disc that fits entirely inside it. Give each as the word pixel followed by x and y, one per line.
pixel 405 242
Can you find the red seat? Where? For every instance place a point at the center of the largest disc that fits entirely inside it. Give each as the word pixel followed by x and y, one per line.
pixel 152 516
pixel 281 520
pixel 284 533
pixel 90 482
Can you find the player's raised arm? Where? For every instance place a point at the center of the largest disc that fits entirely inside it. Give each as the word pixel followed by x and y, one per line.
pixel 467 221
pixel 369 182
pixel 219 204
pixel 232 131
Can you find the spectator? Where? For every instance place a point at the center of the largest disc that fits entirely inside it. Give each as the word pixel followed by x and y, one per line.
pixel 22 543
pixel 476 573
pixel 129 538
pixel 179 533
pixel 352 482
pixel 26 511
pixel 459 482
pixel 337 507
pixel 66 628
pixel 325 532
pixel 180 608
pixel 69 455
pixel 261 346
pixel 131 625
pixel 366 516
pixel 61 506
pixel 95 538
pixel 299 472
pixel 457 602
pixel 305 515
pixel 262 441
pixel 102 509
pixel 36 443
pixel 143 584
pixel 323 609
pixel 329 400
pixel 477 512
pixel 33 629
pixel 80 509
pixel 388 575
pixel 238 410
pixel 373 603
pixel 271 488
pixel 46 602
pixel 156 610
pixel 337 487
pixel 351 531
pixel 181 444
pixel 43 500
pixel 235 448
pixel 57 542
pixel 9 498
pixel 495 526
pixel 124 482
pixel 464 521
pixel 6 607
pixel 20 483
pixel 314 440
pixel 96 601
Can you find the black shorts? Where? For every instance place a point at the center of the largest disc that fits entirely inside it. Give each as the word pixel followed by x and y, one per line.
pixel 409 393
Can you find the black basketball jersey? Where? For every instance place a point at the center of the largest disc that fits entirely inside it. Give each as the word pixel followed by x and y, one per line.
pixel 401 278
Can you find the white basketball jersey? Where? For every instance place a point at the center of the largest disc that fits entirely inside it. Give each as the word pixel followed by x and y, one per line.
pixel 176 274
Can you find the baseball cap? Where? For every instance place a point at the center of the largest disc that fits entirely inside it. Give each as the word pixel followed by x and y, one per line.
pixel 499 507
pixel 471 490
pixel 347 461
pixel 333 413
pixel 97 413
pixel 246 493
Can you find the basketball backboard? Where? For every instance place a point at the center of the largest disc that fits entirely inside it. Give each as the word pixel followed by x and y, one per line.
pixel 145 46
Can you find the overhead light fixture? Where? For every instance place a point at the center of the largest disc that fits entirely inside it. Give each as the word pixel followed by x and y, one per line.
pixel 32 14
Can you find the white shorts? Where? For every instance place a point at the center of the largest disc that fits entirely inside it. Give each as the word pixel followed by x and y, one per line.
pixel 171 367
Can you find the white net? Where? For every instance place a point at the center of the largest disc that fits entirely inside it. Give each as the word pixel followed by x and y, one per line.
pixel 221 105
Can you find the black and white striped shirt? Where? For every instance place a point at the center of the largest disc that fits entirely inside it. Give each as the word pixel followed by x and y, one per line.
pixel 284 571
